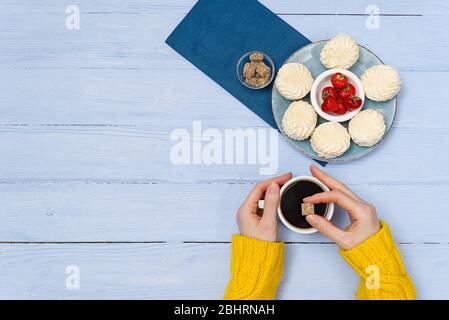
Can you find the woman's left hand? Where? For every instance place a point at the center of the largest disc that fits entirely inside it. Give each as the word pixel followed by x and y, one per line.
pixel 261 223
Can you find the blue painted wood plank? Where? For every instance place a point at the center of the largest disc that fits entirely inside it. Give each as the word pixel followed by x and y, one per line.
pixel 139 211
pixel 194 271
pixel 143 153
pixel 165 99
pixel 430 7
pixel 116 40
pixel 437 7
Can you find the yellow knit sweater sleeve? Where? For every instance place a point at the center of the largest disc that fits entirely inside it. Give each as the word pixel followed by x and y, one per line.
pixel 256 269
pixel 378 263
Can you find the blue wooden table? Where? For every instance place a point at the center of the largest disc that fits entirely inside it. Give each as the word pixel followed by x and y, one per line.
pixel 87 188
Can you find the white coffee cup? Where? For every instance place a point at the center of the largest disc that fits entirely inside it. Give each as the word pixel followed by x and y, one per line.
pixel 327 215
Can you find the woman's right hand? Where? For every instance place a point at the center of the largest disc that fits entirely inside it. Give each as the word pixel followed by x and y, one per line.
pixel 261 224
pixel 364 222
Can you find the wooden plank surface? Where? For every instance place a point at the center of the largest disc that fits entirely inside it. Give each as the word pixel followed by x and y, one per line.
pixel 321 7
pixel 123 97
pixel 85 121
pixel 116 40
pixel 143 153
pixel 191 271
pixel 146 211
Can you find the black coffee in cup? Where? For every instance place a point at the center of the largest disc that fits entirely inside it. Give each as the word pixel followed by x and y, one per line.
pixel 293 197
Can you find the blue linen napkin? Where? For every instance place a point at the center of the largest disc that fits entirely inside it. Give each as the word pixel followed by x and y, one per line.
pixel 216 33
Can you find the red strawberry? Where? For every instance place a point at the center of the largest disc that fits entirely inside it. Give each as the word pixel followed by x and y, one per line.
pixel 348 90
pixel 353 102
pixel 341 108
pixel 329 91
pixel 339 80
pixel 326 108
pixel 330 104
pixel 348 103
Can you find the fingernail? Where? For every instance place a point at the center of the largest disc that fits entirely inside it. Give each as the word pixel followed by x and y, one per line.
pixel 272 188
pixel 312 219
pixel 306 199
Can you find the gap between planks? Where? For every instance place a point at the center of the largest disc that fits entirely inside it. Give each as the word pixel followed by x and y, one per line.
pixel 189 242
pixel 355 14
pixel 277 13
pixel 199 182
pixel 169 68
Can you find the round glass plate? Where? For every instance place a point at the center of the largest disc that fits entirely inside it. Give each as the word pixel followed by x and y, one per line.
pixel 310 57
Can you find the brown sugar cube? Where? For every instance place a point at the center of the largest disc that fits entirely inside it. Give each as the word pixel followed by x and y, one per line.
pixel 307 209
pixel 253 81
pixel 256 56
pixel 262 81
pixel 249 70
pixel 262 70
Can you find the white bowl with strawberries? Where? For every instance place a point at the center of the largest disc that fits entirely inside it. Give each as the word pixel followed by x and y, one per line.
pixel 337 95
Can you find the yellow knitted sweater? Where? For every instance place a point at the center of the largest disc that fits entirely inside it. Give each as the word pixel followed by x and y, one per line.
pixel 256 268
